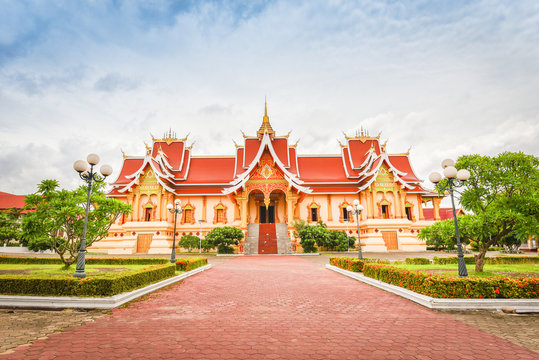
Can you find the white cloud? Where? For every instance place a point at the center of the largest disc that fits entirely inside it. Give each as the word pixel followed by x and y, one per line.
pixel 442 77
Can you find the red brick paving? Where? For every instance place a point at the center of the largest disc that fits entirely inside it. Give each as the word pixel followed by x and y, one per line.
pixel 273 308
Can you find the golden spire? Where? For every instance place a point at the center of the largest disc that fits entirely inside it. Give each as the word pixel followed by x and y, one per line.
pixel 266 126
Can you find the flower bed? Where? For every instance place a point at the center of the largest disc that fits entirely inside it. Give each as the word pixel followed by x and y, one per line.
pixel 105 285
pixel 190 263
pixel 443 287
pixel 353 264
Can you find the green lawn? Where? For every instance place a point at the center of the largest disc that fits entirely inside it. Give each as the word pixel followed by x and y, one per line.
pixel 95 270
pixel 488 270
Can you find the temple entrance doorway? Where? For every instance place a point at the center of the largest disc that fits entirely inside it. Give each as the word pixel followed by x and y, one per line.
pixel 267 215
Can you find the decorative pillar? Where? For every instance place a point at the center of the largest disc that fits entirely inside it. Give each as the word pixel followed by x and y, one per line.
pixel 403 202
pixel 204 208
pixel 244 212
pixel 420 207
pixel 363 202
pixel 436 205
pixel 290 207
pixel 374 205
pixel 136 207
pixel 130 202
pixel 330 213
pixel 397 204
pixel 158 210
pixel 368 204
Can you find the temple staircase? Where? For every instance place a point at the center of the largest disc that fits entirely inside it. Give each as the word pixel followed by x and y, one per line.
pixel 267 239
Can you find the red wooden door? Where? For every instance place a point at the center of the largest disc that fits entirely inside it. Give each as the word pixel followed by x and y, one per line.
pixel 143 242
pixel 390 239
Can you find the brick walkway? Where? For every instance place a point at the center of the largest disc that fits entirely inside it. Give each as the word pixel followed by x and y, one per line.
pixel 270 308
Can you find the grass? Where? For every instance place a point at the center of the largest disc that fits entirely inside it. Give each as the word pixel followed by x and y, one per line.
pixel 95 270
pixel 489 270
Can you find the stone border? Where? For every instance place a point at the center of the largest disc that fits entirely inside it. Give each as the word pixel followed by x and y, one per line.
pixel 103 303
pixel 229 254
pixel 518 305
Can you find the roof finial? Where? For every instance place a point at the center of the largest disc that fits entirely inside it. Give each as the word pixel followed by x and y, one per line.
pixel 266 126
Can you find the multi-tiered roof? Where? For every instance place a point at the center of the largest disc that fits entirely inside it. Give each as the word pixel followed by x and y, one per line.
pixel 355 169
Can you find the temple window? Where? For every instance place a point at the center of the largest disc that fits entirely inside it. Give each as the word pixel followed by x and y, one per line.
pixel 314 214
pixel 345 214
pixel 385 211
pixel 188 216
pixel 148 214
pixel 408 210
pixel 219 213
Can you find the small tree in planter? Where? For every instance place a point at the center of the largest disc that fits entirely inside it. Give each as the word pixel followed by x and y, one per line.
pixel 224 237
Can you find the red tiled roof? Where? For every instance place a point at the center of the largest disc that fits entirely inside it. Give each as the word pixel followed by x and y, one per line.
pixel 211 170
pixel 445 213
pixel 321 169
pixel 402 163
pixel 8 200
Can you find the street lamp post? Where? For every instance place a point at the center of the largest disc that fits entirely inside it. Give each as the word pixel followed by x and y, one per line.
pixel 89 175
pixel 174 209
pixel 455 178
pixel 347 236
pixel 200 237
pixel 356 210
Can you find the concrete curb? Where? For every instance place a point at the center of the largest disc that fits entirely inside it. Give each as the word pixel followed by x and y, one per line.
pixel 519 305
pixel 103 303
pixel 229 254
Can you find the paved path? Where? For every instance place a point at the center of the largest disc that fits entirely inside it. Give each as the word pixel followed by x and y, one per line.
pixel 271 308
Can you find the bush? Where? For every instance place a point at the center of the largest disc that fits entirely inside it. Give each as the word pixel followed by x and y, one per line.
pixel 190 263
pixel 224 237
pixel 353 264
pixel 489 260
pixel 190 242
pixel 417 261
pixel 308 245
pixel 444 287
pixel 105 285
pixel 104 261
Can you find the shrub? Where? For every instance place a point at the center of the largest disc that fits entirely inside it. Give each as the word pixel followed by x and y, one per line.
pixel 444 287
pixel 489 260
pixel 417 261
pixel 104 285
pixel 308 245
pixel 190 242
pixel 353 264
pixel 103 261
pixel 224 237
pixel 190 263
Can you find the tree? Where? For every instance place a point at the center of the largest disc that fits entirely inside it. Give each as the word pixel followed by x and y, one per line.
pixel 10 225
pixel 189 242
pixel 503 194
pixel 224 237
pixel 441 234
pixel 58 219
pixel 311 235
pixel 338 240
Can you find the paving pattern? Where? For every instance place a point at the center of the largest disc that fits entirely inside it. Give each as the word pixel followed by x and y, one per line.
pixel 274 307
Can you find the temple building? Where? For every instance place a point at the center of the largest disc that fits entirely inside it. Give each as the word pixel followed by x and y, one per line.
pixel 267 181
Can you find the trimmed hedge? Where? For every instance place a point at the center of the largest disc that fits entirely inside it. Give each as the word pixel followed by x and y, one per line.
pixel 445 287
pixel 190 263
pixel 353 264
pixel 107 285
pixel 100 261
pixel 417 261
pixel 489 260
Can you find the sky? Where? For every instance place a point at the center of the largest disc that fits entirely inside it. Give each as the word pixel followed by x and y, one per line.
pixel 446 78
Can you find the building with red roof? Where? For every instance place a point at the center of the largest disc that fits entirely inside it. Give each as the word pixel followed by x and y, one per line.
pixel 8 201
pixel 266 180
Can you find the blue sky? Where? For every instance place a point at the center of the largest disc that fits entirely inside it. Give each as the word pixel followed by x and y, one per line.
pixel 444 77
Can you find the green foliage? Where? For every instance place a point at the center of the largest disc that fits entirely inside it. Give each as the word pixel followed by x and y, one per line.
pixel 312 236
pixel 206 245
pixel 10 226
pixel 103 261
pixel 503 194
pixel 190 263
pixel 489 260
pixel 441 235
pixel 444 287
pixel 104 285
pixel 189 242
pixel 58 219
pixel 417 261
pixel 224 237
pixel 353 264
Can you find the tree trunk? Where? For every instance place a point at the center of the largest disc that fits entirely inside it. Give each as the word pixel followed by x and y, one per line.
pixel 480 260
